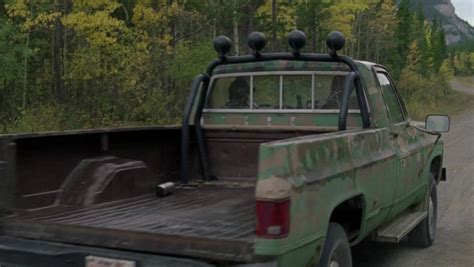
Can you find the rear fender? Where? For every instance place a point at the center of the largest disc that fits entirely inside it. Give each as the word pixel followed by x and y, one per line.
pixel 317 173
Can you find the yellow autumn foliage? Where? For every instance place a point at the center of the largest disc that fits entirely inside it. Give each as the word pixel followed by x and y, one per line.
pixel 286 17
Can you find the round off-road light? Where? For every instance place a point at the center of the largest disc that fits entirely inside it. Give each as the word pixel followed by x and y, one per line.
pixel 257 42
pixel 222 45
pixel 335 41
pixel 297 40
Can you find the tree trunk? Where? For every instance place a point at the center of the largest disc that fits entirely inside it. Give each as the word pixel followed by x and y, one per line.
pixel 25 71
pixel 57 44
pixel 235 24
pixel 359 37
pixel 174 40
pixel 2 8
pixel 4 95
pixel 172 26
pixel 274 22
pixel 367 46
pixel 377 50
pixel 314 30
pixel 214 29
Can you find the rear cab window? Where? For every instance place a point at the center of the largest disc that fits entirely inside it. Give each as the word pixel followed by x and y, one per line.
pixel 266 92
pixel 279 91
pixel 230 93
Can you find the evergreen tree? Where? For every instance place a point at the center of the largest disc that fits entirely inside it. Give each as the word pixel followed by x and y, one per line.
pixel 403 34
pixel 438 45
pixel 311 16
pixel 419 34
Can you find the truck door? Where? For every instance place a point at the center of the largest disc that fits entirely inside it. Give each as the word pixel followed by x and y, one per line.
pixel 405 143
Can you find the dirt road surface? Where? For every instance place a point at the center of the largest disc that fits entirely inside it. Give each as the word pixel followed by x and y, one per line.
pixel 462 87
pixel 454 243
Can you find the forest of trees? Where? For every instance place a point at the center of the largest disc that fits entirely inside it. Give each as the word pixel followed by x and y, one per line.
pixel 71 64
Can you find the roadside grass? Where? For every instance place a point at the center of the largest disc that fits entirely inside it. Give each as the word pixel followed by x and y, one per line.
pixel 453 103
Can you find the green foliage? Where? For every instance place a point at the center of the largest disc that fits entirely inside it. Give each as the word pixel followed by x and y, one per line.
pixel 104 63
pixel 312 16
pixel 285 17
pixel 190 60
pixel 12 51
pixel 462 46
pixel 403 33
pixel 438 45
pixel 463 63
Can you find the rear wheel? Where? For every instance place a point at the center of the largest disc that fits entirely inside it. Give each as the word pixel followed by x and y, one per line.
pixel 336 251
pixel 424 233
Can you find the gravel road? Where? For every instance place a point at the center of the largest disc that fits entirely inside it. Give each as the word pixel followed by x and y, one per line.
pixel 454 243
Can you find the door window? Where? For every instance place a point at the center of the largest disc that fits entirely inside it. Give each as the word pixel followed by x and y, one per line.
pixel 391 99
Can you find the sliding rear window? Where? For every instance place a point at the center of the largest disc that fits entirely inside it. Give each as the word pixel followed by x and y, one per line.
pixel 283 91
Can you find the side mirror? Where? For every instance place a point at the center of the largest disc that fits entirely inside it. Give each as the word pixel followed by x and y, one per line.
pixel 437 123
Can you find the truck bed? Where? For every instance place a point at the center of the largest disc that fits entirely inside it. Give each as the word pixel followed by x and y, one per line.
pixel 212 220
pixel 93 188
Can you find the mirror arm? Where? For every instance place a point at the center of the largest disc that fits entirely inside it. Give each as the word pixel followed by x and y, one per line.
pixel 425 130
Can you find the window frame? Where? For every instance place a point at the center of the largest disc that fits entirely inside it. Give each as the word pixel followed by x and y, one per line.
pixel 401 104
pixel 281 74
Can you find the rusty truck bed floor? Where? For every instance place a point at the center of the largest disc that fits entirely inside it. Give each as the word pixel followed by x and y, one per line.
pixel 219 212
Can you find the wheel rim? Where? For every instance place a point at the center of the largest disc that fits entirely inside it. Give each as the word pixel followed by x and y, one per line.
pixel 431 218
pixel 334 263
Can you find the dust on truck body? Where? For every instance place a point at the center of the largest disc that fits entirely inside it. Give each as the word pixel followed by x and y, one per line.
pixel 283 159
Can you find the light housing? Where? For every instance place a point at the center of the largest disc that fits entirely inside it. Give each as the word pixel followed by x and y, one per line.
pixel 273 218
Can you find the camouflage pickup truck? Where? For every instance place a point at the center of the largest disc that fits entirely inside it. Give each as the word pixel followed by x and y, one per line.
pixel 283 159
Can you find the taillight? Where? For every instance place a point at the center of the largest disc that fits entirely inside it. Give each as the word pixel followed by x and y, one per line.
pixel 273 218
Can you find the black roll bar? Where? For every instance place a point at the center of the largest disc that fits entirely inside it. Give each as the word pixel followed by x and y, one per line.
pixel 353 79
pixel 200 79
pixel 199 132
pixel 346 94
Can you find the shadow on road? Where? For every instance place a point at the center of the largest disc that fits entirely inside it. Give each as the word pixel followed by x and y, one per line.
pixel 380 254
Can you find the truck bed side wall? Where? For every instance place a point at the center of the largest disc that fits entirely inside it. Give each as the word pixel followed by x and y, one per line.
pixel 322 172
pixel 35 166
pixel 40 163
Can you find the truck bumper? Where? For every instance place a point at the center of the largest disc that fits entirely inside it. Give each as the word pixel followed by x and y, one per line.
pixel 25 252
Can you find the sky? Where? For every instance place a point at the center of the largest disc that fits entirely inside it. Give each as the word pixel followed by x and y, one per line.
pixel 465 10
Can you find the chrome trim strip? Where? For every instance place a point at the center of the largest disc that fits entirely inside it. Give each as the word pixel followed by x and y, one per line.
pixel 312 90
pixel 310 111
pixel 281 91
pixel 251 92
pixel 237 74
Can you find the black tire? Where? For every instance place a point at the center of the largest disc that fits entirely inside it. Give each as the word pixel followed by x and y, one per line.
pixel 336 248
pixel 424 233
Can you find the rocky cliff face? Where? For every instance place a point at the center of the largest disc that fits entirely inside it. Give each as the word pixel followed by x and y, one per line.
pixel 456 29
